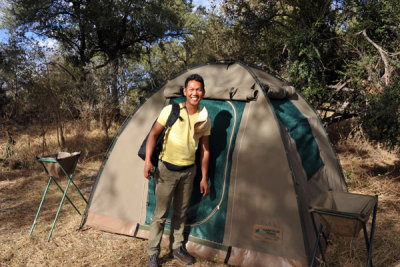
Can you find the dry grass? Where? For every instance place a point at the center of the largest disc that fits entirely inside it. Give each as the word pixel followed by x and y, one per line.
pixel 373 170
pixel 21 190
pixel 368 169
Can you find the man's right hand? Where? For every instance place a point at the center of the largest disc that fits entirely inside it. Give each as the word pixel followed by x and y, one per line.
pixel 151 143
pixel 148 170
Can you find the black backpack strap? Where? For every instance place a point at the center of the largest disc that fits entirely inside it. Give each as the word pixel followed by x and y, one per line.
pixel 173 116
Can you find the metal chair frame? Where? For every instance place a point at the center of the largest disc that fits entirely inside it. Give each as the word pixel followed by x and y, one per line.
pixel 51 179
pixel 368 240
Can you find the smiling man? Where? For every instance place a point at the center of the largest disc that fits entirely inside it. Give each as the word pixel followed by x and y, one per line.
pixel 176 169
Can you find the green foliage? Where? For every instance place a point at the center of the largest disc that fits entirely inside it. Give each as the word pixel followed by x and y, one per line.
pixel 381 118
pixel 349 178
pixel 101 32
pixel 341 54
pixel 15 78
pixel 335 52
pixel 4 101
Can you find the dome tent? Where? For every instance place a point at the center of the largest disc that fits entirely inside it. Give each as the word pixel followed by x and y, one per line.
pixel 270 156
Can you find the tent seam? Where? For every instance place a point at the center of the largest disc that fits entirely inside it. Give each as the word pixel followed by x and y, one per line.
pixel 236 168
pixel 305 240
pixel 299 202
pixel 213 212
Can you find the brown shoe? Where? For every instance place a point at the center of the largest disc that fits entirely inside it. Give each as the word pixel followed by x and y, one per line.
pixel 183 256
pixel 153 261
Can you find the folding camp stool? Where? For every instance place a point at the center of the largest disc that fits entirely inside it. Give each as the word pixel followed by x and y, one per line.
pixel 344 214
pixel 57 166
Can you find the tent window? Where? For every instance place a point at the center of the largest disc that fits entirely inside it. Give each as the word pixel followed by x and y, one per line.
pixel 300 130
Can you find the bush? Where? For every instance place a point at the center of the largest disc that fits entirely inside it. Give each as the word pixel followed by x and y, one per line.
pixel 381 119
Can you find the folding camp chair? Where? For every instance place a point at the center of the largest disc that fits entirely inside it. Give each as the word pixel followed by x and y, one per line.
pixel 344 214
pixel 57 166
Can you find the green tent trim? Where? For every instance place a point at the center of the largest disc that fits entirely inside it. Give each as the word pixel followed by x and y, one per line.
pixel 300 130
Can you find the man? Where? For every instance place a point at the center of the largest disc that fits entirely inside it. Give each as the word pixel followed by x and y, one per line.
pixel 176 168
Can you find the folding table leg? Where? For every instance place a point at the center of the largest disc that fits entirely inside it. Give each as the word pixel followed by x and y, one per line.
pixel 40 206
pixel 79 191
pixel 316 246
pixel 70 201
pixel 70 178
pixel 369 262
pixel 365 236
pixel 58 211
pixel 367 243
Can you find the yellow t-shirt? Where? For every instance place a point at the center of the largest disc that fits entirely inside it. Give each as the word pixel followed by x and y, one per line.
pixel 179 145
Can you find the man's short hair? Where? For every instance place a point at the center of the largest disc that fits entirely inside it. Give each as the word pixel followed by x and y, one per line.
pixel 195 77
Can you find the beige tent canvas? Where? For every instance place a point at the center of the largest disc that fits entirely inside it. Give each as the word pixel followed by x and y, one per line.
pixel 270 156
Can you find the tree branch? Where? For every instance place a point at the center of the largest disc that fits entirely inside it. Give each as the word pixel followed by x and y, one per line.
pixel 63 68
pixel 383 53
pixel 341 86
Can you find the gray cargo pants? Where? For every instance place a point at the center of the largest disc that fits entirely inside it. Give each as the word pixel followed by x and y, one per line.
pixel 170 184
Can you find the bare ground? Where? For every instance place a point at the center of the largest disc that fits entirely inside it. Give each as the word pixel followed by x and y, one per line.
pixel 369 169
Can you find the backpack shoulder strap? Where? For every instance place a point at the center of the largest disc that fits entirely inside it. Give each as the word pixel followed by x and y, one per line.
pixel 173 116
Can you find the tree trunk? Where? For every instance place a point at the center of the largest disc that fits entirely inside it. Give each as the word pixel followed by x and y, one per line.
pixel 106 125
pixel 43 134
pixel 10 144
pixel 60 131
pixel 114 88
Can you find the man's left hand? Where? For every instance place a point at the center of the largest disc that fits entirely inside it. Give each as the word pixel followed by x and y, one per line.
pixel 204 188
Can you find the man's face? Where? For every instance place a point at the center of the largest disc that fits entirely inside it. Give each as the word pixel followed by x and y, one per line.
pixel 194 92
